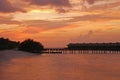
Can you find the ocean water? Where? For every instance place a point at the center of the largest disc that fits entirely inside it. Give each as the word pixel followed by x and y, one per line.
pixel 62 67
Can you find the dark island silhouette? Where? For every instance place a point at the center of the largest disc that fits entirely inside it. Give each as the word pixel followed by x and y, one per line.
pixel 32 46
pixel 5 43
pixel 27 45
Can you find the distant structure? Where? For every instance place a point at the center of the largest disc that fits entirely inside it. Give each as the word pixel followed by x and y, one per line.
pixel 83 48
pixel 94 46
pixel 30 45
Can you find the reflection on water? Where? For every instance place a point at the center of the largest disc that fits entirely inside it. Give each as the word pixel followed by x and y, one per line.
pixel 62 67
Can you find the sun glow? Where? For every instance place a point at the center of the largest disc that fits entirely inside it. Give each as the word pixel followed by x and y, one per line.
pixel 42 11
pixel 58 22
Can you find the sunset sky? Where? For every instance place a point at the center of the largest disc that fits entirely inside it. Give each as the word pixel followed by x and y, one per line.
pixel 55 23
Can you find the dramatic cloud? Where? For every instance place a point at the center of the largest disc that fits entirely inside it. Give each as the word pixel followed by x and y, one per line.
pixel 90 1
pixel 105 6
pixel 59 5
pixel 56 3
pixel 94 18
pixel 45 25
pixel 6 6
pixel 8 20
pixel 79 21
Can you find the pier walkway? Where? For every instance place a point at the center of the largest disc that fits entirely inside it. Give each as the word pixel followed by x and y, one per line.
pixel 68 51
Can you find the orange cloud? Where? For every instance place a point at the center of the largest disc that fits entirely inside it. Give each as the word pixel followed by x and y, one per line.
pixel 41 22
pixel 105 6
pixel 32 30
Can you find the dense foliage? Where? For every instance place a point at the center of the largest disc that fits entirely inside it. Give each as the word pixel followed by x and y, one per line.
pixel 7 44
pixel 31 46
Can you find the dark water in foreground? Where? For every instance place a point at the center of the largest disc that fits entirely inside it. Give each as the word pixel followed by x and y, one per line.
pixel 62 67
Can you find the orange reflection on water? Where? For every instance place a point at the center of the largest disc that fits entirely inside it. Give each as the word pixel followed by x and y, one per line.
pixel 62 67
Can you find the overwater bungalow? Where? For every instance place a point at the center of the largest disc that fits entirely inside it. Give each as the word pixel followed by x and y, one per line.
pixel 94 46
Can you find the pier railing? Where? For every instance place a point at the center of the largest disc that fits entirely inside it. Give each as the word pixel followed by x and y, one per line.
pixel 77 51
pixel 87 48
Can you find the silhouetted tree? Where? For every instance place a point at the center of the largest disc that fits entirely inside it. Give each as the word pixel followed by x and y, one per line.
pixel 7 44
pixel 31 46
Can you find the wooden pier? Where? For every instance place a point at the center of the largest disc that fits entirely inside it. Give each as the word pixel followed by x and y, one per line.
pixel 68 51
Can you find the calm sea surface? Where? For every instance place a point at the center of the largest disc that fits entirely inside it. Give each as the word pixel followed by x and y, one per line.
pixel 62 67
